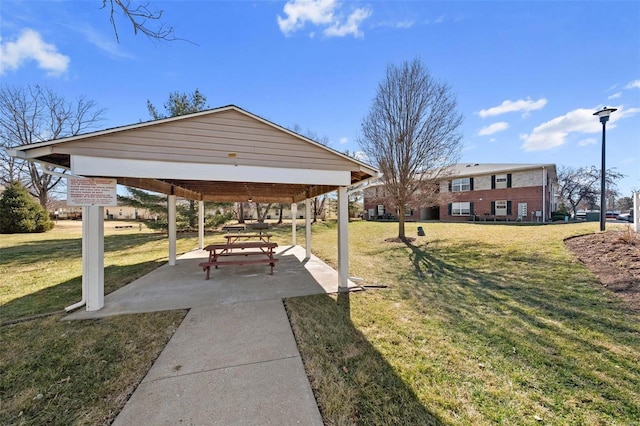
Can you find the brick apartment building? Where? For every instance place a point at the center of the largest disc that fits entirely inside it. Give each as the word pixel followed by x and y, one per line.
pixel 505 192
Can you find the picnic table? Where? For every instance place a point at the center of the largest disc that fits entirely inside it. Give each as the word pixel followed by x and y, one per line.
pixel 240 253
pixel 232 238
pixel 238 227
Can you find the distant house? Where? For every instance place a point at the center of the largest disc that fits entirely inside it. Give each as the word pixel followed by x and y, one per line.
pixel 505 192
pixel 58 209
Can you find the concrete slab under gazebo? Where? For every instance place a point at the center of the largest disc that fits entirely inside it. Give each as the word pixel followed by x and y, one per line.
pixel 223 154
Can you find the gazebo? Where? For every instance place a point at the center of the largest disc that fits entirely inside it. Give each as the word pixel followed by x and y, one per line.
pixel 223 154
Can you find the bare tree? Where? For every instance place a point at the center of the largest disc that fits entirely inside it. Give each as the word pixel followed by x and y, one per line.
pixel 624 204
pixel 35 114
pixel 139 16
pixel 578 185
pixel 319 202
pixel 262 210
pixel 239 212
pixel 280 207
pixel 412 134
pixel 317 207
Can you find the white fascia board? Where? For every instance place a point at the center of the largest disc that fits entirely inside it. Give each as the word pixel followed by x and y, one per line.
pixel 114 167
pixel 27 153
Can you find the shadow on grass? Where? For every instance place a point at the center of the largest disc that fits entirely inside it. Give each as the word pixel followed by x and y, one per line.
pixel 538 311
pixel 352 381
pixel 57 297
pixel 32 252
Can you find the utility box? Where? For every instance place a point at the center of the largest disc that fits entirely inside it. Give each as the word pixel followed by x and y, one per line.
pixel 592 217
pixel 420 232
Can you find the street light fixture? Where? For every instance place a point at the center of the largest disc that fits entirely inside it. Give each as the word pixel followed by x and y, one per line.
pixel 604 114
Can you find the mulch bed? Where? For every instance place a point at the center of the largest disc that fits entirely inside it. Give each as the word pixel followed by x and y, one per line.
pixel 614 257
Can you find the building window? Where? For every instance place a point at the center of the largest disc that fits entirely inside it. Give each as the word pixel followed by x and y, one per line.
pixel 462 184
pixel 501 181
pixel 380 210
pixel 460 209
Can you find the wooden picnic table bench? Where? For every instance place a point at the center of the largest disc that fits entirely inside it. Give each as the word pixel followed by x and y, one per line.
pixel 258 226
pixel 249 252
pixel 232 238
pixel 238 227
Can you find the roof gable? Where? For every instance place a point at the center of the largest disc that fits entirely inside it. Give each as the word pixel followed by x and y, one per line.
pixel 179 153
pixel 227 135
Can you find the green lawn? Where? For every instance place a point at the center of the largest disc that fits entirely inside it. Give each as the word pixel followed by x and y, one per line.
pixel 480 324
pixel 80 372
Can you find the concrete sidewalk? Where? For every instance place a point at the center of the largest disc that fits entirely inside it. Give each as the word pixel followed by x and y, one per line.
pixel 234 364
pixel 234 359
pixel 183 286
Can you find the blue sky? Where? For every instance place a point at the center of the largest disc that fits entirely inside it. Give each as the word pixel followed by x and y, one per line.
pixel 527 75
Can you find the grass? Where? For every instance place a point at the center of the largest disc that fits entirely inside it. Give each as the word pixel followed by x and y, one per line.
pixel 80 372
pixel 481 324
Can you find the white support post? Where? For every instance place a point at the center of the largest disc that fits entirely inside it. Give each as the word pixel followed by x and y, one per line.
pixel 171 219
pixel 200 225
pixel 307 229
pixel 636 211
pixel 294 213
pixel 544 195
pixel 343 239
pixel 93 256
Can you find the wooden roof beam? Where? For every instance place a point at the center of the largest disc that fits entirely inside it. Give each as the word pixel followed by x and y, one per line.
pixel 256 199
pixel 155 185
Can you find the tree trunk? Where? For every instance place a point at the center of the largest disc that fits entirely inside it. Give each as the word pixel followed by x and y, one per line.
pixel 574 208
pixel 240 213
pixel 43 198
pixel 262 214
pixel 193 215
pixel 401 233
pixel 315 210
pixel 280 215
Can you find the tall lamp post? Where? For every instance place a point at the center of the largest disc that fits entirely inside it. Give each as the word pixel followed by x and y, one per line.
pixel 604 114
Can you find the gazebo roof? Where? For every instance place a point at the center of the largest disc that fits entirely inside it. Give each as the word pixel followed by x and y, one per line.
pixel 223 154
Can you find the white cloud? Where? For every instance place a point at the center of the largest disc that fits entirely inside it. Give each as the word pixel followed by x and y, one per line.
pixel 323 13
pixel 30 46
pixel 588 141
pixel 633 85
pixel 554 132
pixel 493 128
pixel 352 26
pixel 343 140
pixel 615 95
pixel 526 106
pixel 403 25
pixel 361 156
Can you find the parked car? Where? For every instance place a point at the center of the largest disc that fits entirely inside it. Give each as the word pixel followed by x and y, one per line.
pixel 612 215
pixel 628 217
pixel 580 215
